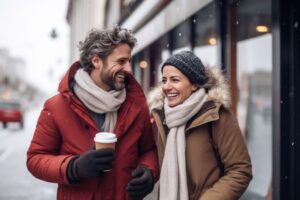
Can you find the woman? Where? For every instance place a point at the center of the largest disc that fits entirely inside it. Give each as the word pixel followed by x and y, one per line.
pixel 202 152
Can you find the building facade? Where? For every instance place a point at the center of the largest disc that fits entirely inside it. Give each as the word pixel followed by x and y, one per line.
pixel 255 43
pixel 82 16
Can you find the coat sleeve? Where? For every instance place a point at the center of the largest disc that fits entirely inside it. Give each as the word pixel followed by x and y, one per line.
pixel 43 159
pixel 234 154
pixel 147 148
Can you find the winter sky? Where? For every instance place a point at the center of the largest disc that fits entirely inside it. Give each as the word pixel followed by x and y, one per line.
pixel 25 31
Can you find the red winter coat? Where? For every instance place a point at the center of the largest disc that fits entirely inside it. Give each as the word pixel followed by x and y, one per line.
pixel 65 129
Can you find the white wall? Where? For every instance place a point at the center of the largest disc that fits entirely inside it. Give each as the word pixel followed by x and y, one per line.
pixel 83 15
pixel 174 13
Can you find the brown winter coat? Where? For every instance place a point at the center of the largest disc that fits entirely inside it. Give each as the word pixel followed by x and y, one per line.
pixel 203 172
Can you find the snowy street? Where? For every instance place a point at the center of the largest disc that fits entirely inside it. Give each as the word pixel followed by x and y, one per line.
pixel 16 182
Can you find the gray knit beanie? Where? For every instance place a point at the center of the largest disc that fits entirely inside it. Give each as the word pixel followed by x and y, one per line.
pixel 189 64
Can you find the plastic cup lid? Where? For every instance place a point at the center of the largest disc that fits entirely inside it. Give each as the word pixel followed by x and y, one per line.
pixel 105 137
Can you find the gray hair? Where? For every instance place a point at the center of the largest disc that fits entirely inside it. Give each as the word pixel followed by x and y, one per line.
pixel 102 43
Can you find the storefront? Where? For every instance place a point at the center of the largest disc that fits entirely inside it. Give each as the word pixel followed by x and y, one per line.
pixel 256 43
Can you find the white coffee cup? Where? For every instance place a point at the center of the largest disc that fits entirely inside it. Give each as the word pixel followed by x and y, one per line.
pixel 105 140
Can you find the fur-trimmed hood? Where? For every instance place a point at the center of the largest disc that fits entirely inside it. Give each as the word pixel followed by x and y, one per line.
pixel 218 90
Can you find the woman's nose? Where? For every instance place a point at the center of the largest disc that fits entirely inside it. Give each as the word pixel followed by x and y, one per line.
pixel 167 86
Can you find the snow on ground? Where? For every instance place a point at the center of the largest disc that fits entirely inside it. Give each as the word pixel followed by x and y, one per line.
pixel 16 182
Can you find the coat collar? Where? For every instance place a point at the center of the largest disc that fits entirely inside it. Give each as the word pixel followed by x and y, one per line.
pixel 218 96
pixel 209 112
pixel 134 102
pixel 218 90
pixel 132 86
pixel 64 85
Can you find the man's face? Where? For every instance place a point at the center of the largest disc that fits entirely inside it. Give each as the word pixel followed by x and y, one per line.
pixel 109 74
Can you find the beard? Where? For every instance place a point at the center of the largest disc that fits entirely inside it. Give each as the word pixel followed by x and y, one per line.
pixel 110 80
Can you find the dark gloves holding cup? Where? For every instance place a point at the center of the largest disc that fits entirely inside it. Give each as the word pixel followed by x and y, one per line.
pixel 90 164
pixel 141 184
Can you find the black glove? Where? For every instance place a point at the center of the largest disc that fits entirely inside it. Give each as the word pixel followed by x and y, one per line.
pixel 141 184
pixel 91 164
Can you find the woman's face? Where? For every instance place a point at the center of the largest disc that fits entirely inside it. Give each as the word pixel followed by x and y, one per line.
pixel 176 86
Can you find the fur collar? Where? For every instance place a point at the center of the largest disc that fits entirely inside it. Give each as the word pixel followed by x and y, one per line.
pixel 218 90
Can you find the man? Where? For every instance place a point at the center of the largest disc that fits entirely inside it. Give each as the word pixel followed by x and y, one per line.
pixel 97 94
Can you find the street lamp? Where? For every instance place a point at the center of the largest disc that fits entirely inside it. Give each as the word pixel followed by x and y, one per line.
pixel 53 34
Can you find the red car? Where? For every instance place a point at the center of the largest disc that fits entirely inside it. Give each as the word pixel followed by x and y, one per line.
pixel 10 111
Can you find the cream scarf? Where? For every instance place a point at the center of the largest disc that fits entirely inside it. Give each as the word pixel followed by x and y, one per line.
pixel 173 181
pixel 99 100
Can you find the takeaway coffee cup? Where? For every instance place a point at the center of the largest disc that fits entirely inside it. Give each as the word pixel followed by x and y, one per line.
pixel 105 140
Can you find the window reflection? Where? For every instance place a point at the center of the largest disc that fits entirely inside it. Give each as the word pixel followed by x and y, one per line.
pixel 205 35
pixel 181 37
pixel 254 106
pixel 254 83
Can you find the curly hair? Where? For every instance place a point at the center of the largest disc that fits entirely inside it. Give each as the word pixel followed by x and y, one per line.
pixel 102 43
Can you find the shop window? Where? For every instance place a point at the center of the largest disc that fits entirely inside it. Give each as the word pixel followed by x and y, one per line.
pixel 137 71
pixel 204 23
pixel 181 37
pixel 159 52
pixel 254 107
pixel 127 7
pixel 143 67
pixel 250 24
pixel 147 63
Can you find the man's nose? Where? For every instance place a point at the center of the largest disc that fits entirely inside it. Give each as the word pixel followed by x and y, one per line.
pixel 127 67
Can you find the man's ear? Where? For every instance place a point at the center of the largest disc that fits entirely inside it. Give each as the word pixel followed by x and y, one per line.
pixel 96 61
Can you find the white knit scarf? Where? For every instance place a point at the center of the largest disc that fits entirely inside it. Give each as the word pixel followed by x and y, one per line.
pixel 173 181
pixel 99 100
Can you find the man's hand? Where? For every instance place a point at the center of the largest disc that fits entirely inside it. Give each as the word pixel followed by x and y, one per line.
pixel 92 163
pixel 141 184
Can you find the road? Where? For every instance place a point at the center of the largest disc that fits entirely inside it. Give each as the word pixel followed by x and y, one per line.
pixel 16 182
